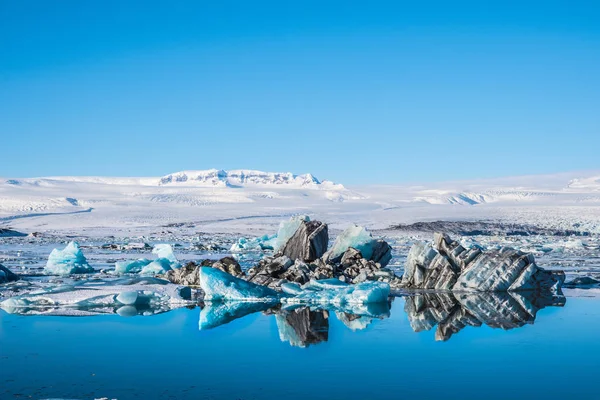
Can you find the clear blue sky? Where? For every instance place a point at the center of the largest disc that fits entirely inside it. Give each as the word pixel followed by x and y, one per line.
pixel 355 92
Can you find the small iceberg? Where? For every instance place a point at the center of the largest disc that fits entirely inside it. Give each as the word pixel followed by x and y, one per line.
pixel 271 242
pixel 146 295
pixel 70 260
pixel 166 261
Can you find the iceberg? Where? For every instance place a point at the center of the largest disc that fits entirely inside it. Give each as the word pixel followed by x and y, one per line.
pixel 102 296
pixel 341 295
pixel 356 237
pixel 221 286
pixel 165 251
pixel 70 260
pixel 166 261
pixel 270 242
pixel 130 267
pixel 265 242
pixel 218 285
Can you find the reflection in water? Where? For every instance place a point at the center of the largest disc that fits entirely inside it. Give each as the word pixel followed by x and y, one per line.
pixel 452 312
pixel 300 326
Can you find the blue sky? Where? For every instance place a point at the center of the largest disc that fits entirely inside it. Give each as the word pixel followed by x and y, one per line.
pixel 356 92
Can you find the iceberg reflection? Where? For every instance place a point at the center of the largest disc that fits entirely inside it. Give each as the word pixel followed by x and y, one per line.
pixel 452 312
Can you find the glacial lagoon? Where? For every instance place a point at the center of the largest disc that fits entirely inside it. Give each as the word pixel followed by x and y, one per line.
pixel 459 346
pixel 167 356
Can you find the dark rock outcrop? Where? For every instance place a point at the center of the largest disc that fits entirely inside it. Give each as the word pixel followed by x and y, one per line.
pixel 308 243
pixel 188 273
pixel 450 266
pixel 7 275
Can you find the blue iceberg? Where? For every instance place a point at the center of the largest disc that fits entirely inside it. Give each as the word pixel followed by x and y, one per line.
pixel 271 242
pixel 218 285
pixel 355 236
pixel 70 260
pixel 166 261
pixel 221 286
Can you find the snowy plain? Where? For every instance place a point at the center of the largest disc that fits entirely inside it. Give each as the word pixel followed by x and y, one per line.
pixel 254 202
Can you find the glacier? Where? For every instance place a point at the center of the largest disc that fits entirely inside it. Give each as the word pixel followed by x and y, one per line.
pixel 70 260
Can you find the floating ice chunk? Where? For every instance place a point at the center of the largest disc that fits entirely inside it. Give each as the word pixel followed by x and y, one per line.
pixel 70 260
pixel 218 285
pixel 265 242
pixel 355 236
pixel 165 251
pixel 159 266
pixel 130 267
pixel 362 293
pixel 105 296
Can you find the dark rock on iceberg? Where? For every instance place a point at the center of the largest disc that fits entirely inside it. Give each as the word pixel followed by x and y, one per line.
pixel 308 243
pixel 450 266
pixel 188 274
pixel 7 275
pixel 452 312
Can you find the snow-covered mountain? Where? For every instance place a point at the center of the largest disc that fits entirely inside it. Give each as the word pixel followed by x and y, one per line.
pixel 241 177
pixel 216 199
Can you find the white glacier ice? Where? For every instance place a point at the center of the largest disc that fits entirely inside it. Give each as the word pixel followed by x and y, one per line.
pixel 159 266
pixel 164 251
pixel 70 260
pixel 101 295
pixel 355 236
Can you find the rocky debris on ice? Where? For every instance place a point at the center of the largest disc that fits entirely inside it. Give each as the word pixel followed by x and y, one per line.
pixel 7 275
pixel 70 260
pixel 189 273
pixel 450 266
pixel 452 312
pixel 276 242
pixel 359 238
pixel 304 256
pixel 126 297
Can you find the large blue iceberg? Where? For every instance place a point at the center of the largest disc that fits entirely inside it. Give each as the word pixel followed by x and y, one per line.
pixel 355 236
pixel 70 260
pixel 218 285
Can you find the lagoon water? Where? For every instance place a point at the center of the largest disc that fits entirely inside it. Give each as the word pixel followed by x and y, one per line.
pixel 166 356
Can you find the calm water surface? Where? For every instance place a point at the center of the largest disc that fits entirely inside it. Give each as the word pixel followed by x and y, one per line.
pixel 166 356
